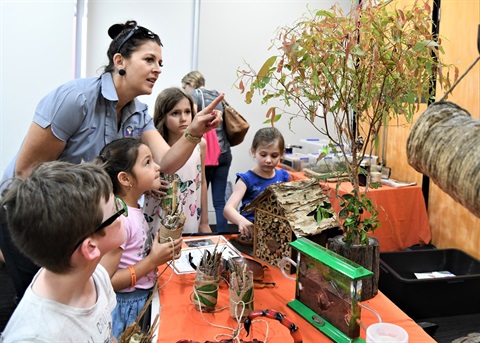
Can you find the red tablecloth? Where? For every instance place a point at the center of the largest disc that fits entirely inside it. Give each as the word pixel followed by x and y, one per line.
pixel 402 213
pixel 179 319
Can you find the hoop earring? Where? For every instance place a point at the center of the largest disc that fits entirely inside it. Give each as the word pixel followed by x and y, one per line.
pixel 122 72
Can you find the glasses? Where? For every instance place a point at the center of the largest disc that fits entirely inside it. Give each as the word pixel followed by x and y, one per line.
pixel 120 207
pixel 146 33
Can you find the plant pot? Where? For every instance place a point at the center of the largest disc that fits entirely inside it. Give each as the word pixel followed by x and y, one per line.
pixel 167 235
pixel 241 295
pixel 368 256
pixel 205 292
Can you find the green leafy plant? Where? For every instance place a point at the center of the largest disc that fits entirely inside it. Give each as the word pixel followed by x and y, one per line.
pixel 347 75
pixel 356 222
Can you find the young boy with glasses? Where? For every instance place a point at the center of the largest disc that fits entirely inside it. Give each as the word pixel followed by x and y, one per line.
pixel 65 218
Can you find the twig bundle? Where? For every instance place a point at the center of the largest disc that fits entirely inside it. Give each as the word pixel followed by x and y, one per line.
pixel 241 290
pixel 205 288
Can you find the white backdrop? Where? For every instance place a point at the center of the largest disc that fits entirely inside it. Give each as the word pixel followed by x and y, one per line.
pixel 37 53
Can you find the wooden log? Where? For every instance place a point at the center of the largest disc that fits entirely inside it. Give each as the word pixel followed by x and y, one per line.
pixel 368 256
pixel 444 144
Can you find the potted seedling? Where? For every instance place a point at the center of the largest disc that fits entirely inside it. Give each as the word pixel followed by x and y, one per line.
pixel 347 74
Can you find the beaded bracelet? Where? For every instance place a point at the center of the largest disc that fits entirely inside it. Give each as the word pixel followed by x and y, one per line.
pixel 133 276
pixel 192 138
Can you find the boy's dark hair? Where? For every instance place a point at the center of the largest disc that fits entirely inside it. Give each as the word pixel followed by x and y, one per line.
pixel 53 208
pixel 267 136
pixel 118 156
pixel 166 101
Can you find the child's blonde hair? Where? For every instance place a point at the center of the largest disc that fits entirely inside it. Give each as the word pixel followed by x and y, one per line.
pixel 195 79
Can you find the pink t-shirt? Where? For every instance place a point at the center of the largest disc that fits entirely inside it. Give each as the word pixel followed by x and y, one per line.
pixel 137 246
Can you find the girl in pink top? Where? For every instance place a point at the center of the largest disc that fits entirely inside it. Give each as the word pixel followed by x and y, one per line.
pixel 133 266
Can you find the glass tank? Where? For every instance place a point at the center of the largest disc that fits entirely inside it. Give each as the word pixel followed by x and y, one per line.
pixel 328 289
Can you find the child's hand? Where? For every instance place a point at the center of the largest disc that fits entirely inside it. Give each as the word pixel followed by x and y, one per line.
pixel 163 252
pixel 161 192
pixel 245 227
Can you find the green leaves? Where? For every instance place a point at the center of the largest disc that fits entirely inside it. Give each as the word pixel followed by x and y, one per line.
pixel 206 294
pixel 368 67
pixel 323 211
pixel 265 70
pixel 359 216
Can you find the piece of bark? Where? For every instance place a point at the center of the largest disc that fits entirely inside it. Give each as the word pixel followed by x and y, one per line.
pixel 444 144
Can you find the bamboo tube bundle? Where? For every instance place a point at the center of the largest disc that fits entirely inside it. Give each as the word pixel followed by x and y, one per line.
pixel 444 144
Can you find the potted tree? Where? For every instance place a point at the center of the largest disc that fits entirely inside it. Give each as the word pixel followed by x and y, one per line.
pixel 347 75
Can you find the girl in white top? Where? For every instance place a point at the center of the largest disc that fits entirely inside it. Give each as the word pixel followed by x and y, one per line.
pixel 174 111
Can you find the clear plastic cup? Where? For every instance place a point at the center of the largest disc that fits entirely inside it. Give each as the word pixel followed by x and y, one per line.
pixel 386 333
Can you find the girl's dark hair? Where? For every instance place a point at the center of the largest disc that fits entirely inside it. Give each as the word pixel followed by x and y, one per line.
pixel 118 156
pixel 267 136
pixel 166 101
pixel 126 38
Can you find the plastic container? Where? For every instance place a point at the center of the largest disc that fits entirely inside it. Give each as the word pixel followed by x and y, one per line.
pixel 312 159
pixel 324 165
pixel 331 163
pixel 313 144
pixel 370 160
pixel 385 333
pixel 431 297
pixel 295 161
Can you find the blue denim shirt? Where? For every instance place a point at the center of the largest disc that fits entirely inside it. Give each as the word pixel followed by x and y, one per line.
pixel 82 113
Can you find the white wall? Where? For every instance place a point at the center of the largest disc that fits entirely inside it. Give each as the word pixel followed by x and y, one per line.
pixel 233 33
pixel 37 53
pixel 171 20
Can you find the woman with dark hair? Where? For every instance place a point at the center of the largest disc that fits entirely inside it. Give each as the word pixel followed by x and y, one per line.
pixel 76 120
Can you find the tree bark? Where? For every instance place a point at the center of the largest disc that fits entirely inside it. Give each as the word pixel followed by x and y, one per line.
pixel 368 256
pixel 444 144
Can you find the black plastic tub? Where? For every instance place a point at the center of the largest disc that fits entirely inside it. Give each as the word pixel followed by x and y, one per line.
pixel 431 297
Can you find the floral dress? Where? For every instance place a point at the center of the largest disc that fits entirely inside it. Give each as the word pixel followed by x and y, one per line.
pixel 187 185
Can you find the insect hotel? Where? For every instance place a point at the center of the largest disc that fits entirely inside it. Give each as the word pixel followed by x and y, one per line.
pixel 285 211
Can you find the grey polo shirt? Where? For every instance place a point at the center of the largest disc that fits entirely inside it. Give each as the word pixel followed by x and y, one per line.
pixel 82 114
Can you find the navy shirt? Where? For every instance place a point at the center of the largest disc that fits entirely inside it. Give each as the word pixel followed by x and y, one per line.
pixel 256 184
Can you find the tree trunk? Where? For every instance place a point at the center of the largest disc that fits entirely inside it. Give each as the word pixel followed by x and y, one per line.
pixel 368 256
pixel 444 144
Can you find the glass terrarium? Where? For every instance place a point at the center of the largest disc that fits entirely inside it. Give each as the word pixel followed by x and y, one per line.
pixel 328 289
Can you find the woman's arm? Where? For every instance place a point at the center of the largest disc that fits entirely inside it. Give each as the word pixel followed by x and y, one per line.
pixel 204 226
pixel 172 159
pixel 40 145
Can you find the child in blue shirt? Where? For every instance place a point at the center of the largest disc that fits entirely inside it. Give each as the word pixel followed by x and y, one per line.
pixel 268 147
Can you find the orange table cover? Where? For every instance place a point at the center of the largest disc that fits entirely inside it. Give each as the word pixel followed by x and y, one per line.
pixel 402 213
pixel 179 319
